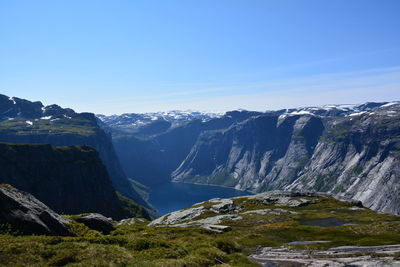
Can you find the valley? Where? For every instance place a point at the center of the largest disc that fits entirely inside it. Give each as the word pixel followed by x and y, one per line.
pixel 199 189
pixel 345 150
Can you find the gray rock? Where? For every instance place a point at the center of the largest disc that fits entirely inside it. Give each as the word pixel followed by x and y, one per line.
pixel 130 221
pixel 224 205
pixel 217 219
pixel 308 242
pixel 179 216
pixel 28 215
pixel 280 198
pixel 97 222
pixel 270 211
pixel 217 228
pixel 338 257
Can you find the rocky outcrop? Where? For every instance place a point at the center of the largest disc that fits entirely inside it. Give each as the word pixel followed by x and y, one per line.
pixel 97 222
pixel 218 210
pixel 69 180
pixel 336 256
pixel 28 215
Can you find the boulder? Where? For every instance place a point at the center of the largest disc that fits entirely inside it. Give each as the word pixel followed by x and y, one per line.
pixel 28 215
pixel 97 222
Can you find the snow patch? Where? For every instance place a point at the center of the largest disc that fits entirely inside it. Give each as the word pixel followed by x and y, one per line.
pixel 301 112
pixel 390 104
pixel 357 113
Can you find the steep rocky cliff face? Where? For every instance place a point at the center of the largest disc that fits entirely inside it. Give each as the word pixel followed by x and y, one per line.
pixel 152 158
pixel 22 121
pixel 69 180
pixel 358 157
pixel 264 151
pixel 355 156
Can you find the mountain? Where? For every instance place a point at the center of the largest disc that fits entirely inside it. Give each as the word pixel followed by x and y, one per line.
pixel 69 180
pixel 356 155
pixel 151 159
pixel 140 123
pixel 23 121
pixel 347 150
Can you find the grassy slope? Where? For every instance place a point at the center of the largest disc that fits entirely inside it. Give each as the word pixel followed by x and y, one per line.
pixel 141 245
pixel 78 126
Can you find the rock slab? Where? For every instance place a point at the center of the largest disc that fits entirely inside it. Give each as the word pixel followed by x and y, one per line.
pixel 28 215
pixel 97 222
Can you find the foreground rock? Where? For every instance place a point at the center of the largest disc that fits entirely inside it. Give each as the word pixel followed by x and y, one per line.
pixel 219 210
pixel 97 222
pixel 189 217
pixel 338 256
pixel 28 215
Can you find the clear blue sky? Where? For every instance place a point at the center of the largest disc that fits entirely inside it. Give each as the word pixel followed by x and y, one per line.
pixel 135 56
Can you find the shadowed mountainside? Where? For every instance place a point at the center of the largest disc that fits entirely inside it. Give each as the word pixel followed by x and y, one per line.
pixel 26 122
pixel 69 180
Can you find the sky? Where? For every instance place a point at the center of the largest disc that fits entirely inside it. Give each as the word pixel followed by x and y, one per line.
pixel 122 56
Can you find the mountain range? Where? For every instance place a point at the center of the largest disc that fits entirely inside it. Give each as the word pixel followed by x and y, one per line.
pixel 346 150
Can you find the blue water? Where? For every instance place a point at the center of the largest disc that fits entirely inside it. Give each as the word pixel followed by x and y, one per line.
pixel 170 197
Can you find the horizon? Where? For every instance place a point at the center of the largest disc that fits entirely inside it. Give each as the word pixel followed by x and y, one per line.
pixel 109 57
pixel 215 113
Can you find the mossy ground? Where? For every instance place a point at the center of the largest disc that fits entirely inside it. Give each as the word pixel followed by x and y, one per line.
pixel 76 126
pixel 142 245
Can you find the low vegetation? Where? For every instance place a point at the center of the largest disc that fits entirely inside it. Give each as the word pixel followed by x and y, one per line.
pixel 64 126
pixel 142 245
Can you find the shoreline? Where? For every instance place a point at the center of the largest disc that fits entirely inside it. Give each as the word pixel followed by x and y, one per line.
pixel 223 186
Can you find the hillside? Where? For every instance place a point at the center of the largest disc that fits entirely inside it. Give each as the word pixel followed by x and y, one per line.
pixel 70 180
pixel 26 122
pixel 278 228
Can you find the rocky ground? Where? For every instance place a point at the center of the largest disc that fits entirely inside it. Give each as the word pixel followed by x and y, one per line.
pixel 336 256
pixel 270 229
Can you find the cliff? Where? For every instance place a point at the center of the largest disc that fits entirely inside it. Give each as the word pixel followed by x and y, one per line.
pixel 152 158
pixel 26 122
pixel 355 156
pixel 69 180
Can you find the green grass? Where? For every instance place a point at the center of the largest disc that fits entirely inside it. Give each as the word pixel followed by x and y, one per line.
pixel 142 245
pixel 62 126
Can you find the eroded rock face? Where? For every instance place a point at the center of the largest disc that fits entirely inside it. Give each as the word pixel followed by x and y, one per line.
pixel 28 215
pixel 97 222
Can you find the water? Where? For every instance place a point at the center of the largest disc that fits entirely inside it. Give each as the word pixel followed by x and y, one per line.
pixel 170 197
pixel 326 222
